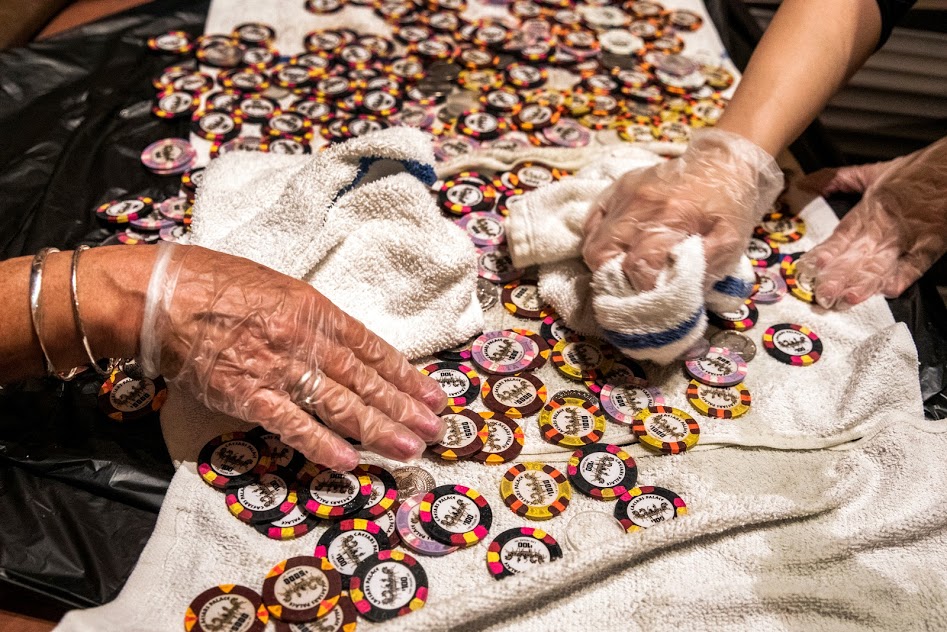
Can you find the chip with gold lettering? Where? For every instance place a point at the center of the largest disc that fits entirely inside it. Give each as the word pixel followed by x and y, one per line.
pixel 388 584
pixel 455 514
pixel 326 493
pixel 514 395
pixel 602 471
pixel 520 549
pixel 722 402
pixel 302 588
pixel 535 490
pixel 347 543
pixel 125 397
pixel 221 607
pixel 644 507
pixel 458 380
pixel 505 440
pixel 465 435
pixel 666 429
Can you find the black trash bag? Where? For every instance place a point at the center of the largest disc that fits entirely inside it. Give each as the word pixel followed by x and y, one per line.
pixel 79 493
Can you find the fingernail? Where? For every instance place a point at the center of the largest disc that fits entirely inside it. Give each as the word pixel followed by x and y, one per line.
pixel 410 446
pixel 434 429
pixel 436 398
pixel 349 461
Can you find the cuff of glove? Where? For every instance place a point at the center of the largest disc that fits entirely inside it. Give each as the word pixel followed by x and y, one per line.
pixel 160 290
pixel 769 177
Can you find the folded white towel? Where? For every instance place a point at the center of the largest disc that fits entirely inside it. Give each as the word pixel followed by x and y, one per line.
pixel 659 325
pixel 356 221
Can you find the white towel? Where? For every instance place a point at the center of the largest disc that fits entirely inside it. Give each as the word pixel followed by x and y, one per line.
pixel 358 222
pixel 547 229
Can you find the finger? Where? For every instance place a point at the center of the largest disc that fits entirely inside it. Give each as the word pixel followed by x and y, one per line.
pixel 854 179
pixel 605 244
pixel 387 361
pixel 342 366
pixel 906 273
pixel 723 247
pixel 344 412
pixel 277 413
pixel 649 256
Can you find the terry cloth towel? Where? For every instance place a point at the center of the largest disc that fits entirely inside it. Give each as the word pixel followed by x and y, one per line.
pixel 356 221
pixel 823 508
pixel 547 229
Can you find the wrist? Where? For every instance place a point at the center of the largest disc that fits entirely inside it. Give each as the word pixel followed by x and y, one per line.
pixel 112 285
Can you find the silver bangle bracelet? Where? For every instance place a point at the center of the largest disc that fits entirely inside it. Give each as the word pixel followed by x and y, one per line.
pixel 74 293
pixel 36 314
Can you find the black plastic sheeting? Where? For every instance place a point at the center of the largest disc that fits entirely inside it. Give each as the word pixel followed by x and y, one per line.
pixel 79 493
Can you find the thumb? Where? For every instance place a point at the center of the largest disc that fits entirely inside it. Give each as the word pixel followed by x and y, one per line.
pixel 854 179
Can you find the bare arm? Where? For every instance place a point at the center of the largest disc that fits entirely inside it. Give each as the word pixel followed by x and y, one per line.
pixel 808 52
pixel 112 284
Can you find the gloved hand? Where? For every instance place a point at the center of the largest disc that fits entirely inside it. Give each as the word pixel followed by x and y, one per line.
pixel 890 238
pixel 719 188
pixel 263 347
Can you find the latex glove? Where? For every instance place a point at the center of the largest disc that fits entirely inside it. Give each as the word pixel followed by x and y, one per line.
pixel 263 347
pixel 891 237
pixel 719 188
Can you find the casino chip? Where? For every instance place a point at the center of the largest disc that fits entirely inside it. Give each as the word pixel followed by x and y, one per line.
pixel 741 319
pixel 781 228
pixel 514 395
pixel 328 494
pixel 270 498
pixel 771 287
pixel 388 584
pixel 793 344
pixel 624 396
pixel 580 358
pixel 175 42
pixel 461 197
pixel 505 440
pixel 413 536
pixel 174 209
pixel 384 491
pixel 459 381
pixel 227 602
pixel 302 588
pixel 216 125
pixel 232 460
pixel 720 367
pixel 554 329
pixel 172 104
pixel 125 397
pixel 535 490
pixel 521 298
pixel 465 435
pixel 799 285
pixel 666 429
pixel 570 422
pixel 533 175
pixel 169 156
pixel 720 402
pixel 504 352
pixel 567 133
pixel 602 471
pixel 347 543
pixel 481 125
pixel 342 618
pixel 483 228
pixel 623 370
pixel 762 253
pixel 520 549
pixel 455 515
pixel 295 524
pixel 647 506
pixel 282 455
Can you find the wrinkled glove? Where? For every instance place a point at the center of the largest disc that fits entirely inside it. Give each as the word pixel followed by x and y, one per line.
pixel 260 346
pixel 718 188
pixel 890 238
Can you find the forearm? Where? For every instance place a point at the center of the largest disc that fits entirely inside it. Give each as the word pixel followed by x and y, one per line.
pixel 808 52
pixel 112 283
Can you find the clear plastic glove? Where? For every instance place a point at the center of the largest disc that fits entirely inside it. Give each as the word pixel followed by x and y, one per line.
pixel 719 188
pixel 891 237
pixel 263 347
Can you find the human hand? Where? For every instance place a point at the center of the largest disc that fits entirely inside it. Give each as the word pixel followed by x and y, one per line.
pixel 891 237
pixel 263 347
pixel 719 188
